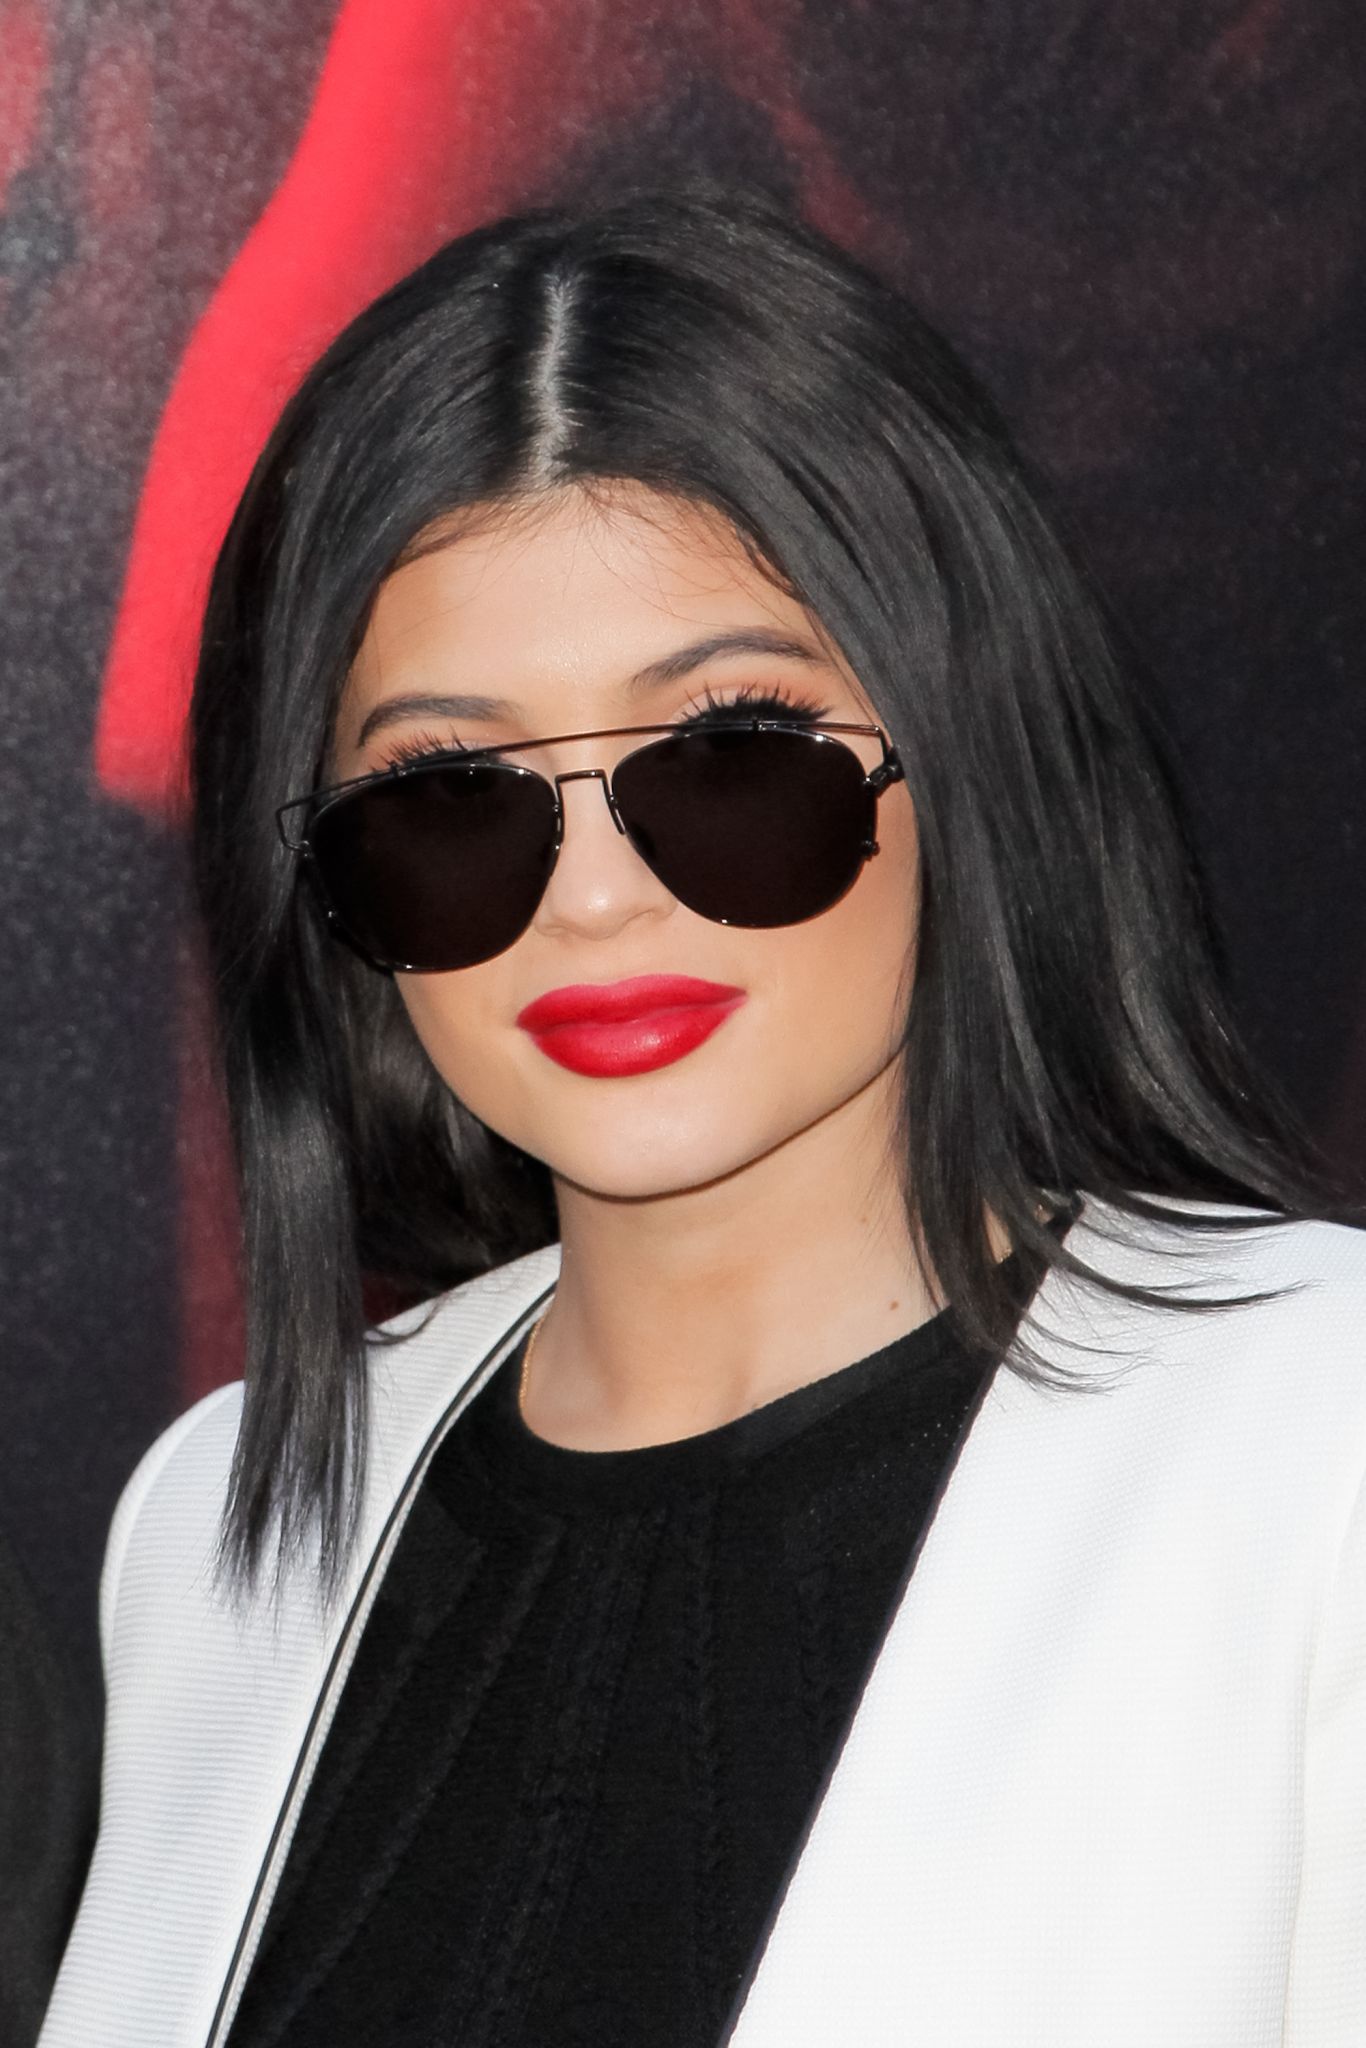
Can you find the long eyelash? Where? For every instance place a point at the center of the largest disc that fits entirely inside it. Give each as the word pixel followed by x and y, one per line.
pixel 754 700
pixel 421 746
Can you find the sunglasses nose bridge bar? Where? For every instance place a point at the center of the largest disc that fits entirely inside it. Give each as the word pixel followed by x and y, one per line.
pixel 589 775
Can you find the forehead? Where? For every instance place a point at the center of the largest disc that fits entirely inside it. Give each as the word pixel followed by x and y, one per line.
pixel 570 593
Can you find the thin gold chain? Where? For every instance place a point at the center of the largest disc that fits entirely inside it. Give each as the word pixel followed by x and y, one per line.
pixel 526 1363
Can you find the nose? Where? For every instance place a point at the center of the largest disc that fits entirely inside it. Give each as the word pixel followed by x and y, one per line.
pixel 599 883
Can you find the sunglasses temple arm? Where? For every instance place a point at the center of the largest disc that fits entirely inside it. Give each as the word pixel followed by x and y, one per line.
pixel 284 818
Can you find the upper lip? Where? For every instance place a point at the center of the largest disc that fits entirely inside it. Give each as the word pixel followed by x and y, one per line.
pixel 620 1002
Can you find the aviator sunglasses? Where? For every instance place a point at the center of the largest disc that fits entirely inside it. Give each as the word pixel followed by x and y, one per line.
pixel 440 862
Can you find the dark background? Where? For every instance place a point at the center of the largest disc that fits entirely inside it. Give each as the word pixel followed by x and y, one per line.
pixel 1141 223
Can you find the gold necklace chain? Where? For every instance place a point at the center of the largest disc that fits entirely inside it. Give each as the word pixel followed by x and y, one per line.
pixel 526 1364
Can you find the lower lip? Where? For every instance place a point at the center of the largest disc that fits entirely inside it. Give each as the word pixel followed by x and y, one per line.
pixel 637 1045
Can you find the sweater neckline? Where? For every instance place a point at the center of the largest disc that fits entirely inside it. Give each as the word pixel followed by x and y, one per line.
pixel 931 1361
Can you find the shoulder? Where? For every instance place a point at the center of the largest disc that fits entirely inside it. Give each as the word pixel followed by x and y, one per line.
pixel 1274 1309
pixel 186 1468
pixel 165 1531
pixel 1222 1341
pixel 1241 1378
pixel 1258 1278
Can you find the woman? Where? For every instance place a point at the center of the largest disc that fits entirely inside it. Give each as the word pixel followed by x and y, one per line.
pixel 896 1571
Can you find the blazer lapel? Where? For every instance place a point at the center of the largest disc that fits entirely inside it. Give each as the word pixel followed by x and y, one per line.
pixel 923 1834
pixel 418 1390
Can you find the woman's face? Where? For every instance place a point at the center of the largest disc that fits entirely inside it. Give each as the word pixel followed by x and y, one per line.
pixel 575 614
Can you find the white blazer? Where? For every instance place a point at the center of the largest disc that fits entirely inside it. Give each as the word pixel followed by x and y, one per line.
pixel 1105 1788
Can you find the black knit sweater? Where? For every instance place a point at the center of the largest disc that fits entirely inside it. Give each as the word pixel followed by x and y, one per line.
pixel 591 1714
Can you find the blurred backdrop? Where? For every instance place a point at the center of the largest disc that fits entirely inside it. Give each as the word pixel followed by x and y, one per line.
pixel 1141 223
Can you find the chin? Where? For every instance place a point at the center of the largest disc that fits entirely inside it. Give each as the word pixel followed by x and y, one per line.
pixel 648 1161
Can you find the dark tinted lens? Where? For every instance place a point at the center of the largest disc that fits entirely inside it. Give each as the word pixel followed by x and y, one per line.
pixel 439 867
pixel 748 827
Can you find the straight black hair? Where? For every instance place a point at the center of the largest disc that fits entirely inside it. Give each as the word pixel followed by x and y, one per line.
pixel 1067 1030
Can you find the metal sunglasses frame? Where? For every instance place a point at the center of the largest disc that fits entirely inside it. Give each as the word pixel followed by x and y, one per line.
pixel 887 771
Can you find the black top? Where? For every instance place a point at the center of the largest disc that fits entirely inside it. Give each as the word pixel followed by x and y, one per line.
pixel 591 1714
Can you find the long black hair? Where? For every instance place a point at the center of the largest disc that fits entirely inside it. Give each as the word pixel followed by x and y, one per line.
pixel 1067 1030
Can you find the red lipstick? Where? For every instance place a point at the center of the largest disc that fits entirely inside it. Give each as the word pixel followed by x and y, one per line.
pixel 627 1027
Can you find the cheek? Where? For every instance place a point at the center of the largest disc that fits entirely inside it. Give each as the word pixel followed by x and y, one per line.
pixel 854 966
pixel 462 1022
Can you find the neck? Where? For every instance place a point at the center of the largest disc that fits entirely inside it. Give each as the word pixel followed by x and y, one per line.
pixel 677 1313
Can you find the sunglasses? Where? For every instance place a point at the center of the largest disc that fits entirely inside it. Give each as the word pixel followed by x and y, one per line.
pixel 441 862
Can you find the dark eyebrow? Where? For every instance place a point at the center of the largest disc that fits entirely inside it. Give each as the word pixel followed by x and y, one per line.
pixel 425 704
pixel 753 640
pixel 671 668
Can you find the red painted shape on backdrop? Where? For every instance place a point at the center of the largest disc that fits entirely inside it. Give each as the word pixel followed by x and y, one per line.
pixel 25 60
pixel 114 125
pixel 429 116
pixel 1244 43
pixel 752 46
